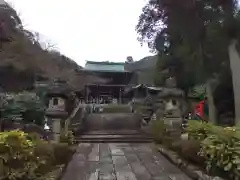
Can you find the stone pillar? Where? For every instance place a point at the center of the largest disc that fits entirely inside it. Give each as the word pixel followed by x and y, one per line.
pixel 174 125
pixel 235 64
pixel 211 105
pixel 173 119
pixel 55 117
pixel 56 129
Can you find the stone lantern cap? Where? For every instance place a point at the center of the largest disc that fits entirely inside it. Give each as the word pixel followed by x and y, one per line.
pixel 142 86
pixel 170 89
pixel 171 92
pixel 59 88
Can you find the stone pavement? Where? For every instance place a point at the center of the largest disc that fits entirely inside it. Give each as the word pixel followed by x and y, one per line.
pixel 120 161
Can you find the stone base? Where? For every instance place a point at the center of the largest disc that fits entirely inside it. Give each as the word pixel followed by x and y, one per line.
pixel 50 113
pixel 174 126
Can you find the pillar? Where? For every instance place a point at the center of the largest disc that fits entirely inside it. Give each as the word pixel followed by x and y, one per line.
pixel 86 94
pixel 120 96
pixel 235 65
pixel 97 101
pixel 56 129
pixel 55 117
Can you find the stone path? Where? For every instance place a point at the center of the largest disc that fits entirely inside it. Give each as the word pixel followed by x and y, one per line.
pixel 118 161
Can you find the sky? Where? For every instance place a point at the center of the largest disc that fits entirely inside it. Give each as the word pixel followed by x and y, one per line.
pixel 95 30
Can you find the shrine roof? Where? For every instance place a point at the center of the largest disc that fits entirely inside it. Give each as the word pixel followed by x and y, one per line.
pixel 105 66
pixel 151 88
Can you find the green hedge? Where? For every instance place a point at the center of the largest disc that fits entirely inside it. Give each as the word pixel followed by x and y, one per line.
pixel 220 147
pixel 27 157
pixel 215 148
pixel 69 138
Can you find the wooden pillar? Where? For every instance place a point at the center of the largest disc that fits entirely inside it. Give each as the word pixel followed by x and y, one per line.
pixel 120 96
pixel 97 100
pixel 146 92
pixel 86 94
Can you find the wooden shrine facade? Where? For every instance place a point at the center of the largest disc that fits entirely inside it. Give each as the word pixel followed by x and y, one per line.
pixel 104 93
pixel 110 92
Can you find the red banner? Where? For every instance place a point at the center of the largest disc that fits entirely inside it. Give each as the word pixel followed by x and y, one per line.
pixel 199 109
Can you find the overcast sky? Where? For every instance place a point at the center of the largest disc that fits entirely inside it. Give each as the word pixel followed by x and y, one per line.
pixel 96 30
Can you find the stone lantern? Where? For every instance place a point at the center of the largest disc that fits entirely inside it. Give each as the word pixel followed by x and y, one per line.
pixel 2 95
pixel 57 94
pixel 170 106
pixel 2 102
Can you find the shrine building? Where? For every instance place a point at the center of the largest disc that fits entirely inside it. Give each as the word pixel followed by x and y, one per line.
pixel 117 79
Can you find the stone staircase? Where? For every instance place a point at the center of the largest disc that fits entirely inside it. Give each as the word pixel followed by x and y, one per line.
pixel 113 127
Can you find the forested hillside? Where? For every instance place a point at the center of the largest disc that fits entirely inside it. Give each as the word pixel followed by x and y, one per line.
pixel 23 60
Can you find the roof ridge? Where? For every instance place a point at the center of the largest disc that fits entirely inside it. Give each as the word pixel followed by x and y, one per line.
pixel 105 62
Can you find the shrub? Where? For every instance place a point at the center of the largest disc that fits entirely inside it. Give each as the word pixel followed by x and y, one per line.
pixel 158 131
pixel 170 142
pixel 26 157
pixel 198 130
pixel 220 147
pixel 28 105
pixel 189 150
pixel 69 138
pixel 62 153
pixel 161 136
pixel 45 151
pixel 17 156
pixel 221 150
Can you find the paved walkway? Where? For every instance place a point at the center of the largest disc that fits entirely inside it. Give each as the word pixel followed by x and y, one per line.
pixel 118 161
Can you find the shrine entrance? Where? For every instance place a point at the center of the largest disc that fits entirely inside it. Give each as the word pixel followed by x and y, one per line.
pixel 104 94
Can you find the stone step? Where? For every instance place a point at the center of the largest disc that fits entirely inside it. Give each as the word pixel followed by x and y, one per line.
pixel 93 138
pixel 113 132
pixel 112 121
pixel 106 136
pixel 114 140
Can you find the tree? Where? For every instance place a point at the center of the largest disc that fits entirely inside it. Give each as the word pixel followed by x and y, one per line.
pixel 185 31
pixel 26 105
pixel 191 36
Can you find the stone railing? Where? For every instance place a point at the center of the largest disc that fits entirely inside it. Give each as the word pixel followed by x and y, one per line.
pixel 77 122
pixel 72 115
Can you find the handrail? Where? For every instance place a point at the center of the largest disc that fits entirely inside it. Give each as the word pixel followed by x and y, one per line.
pixel 67 121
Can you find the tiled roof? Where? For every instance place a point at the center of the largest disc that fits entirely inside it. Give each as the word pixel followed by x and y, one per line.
pixel 104 66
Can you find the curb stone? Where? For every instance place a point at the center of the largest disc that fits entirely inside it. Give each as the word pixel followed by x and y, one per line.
pixel 192 171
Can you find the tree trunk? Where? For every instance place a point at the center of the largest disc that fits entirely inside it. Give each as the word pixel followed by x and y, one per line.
pixel 211 104
pixel 235 66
